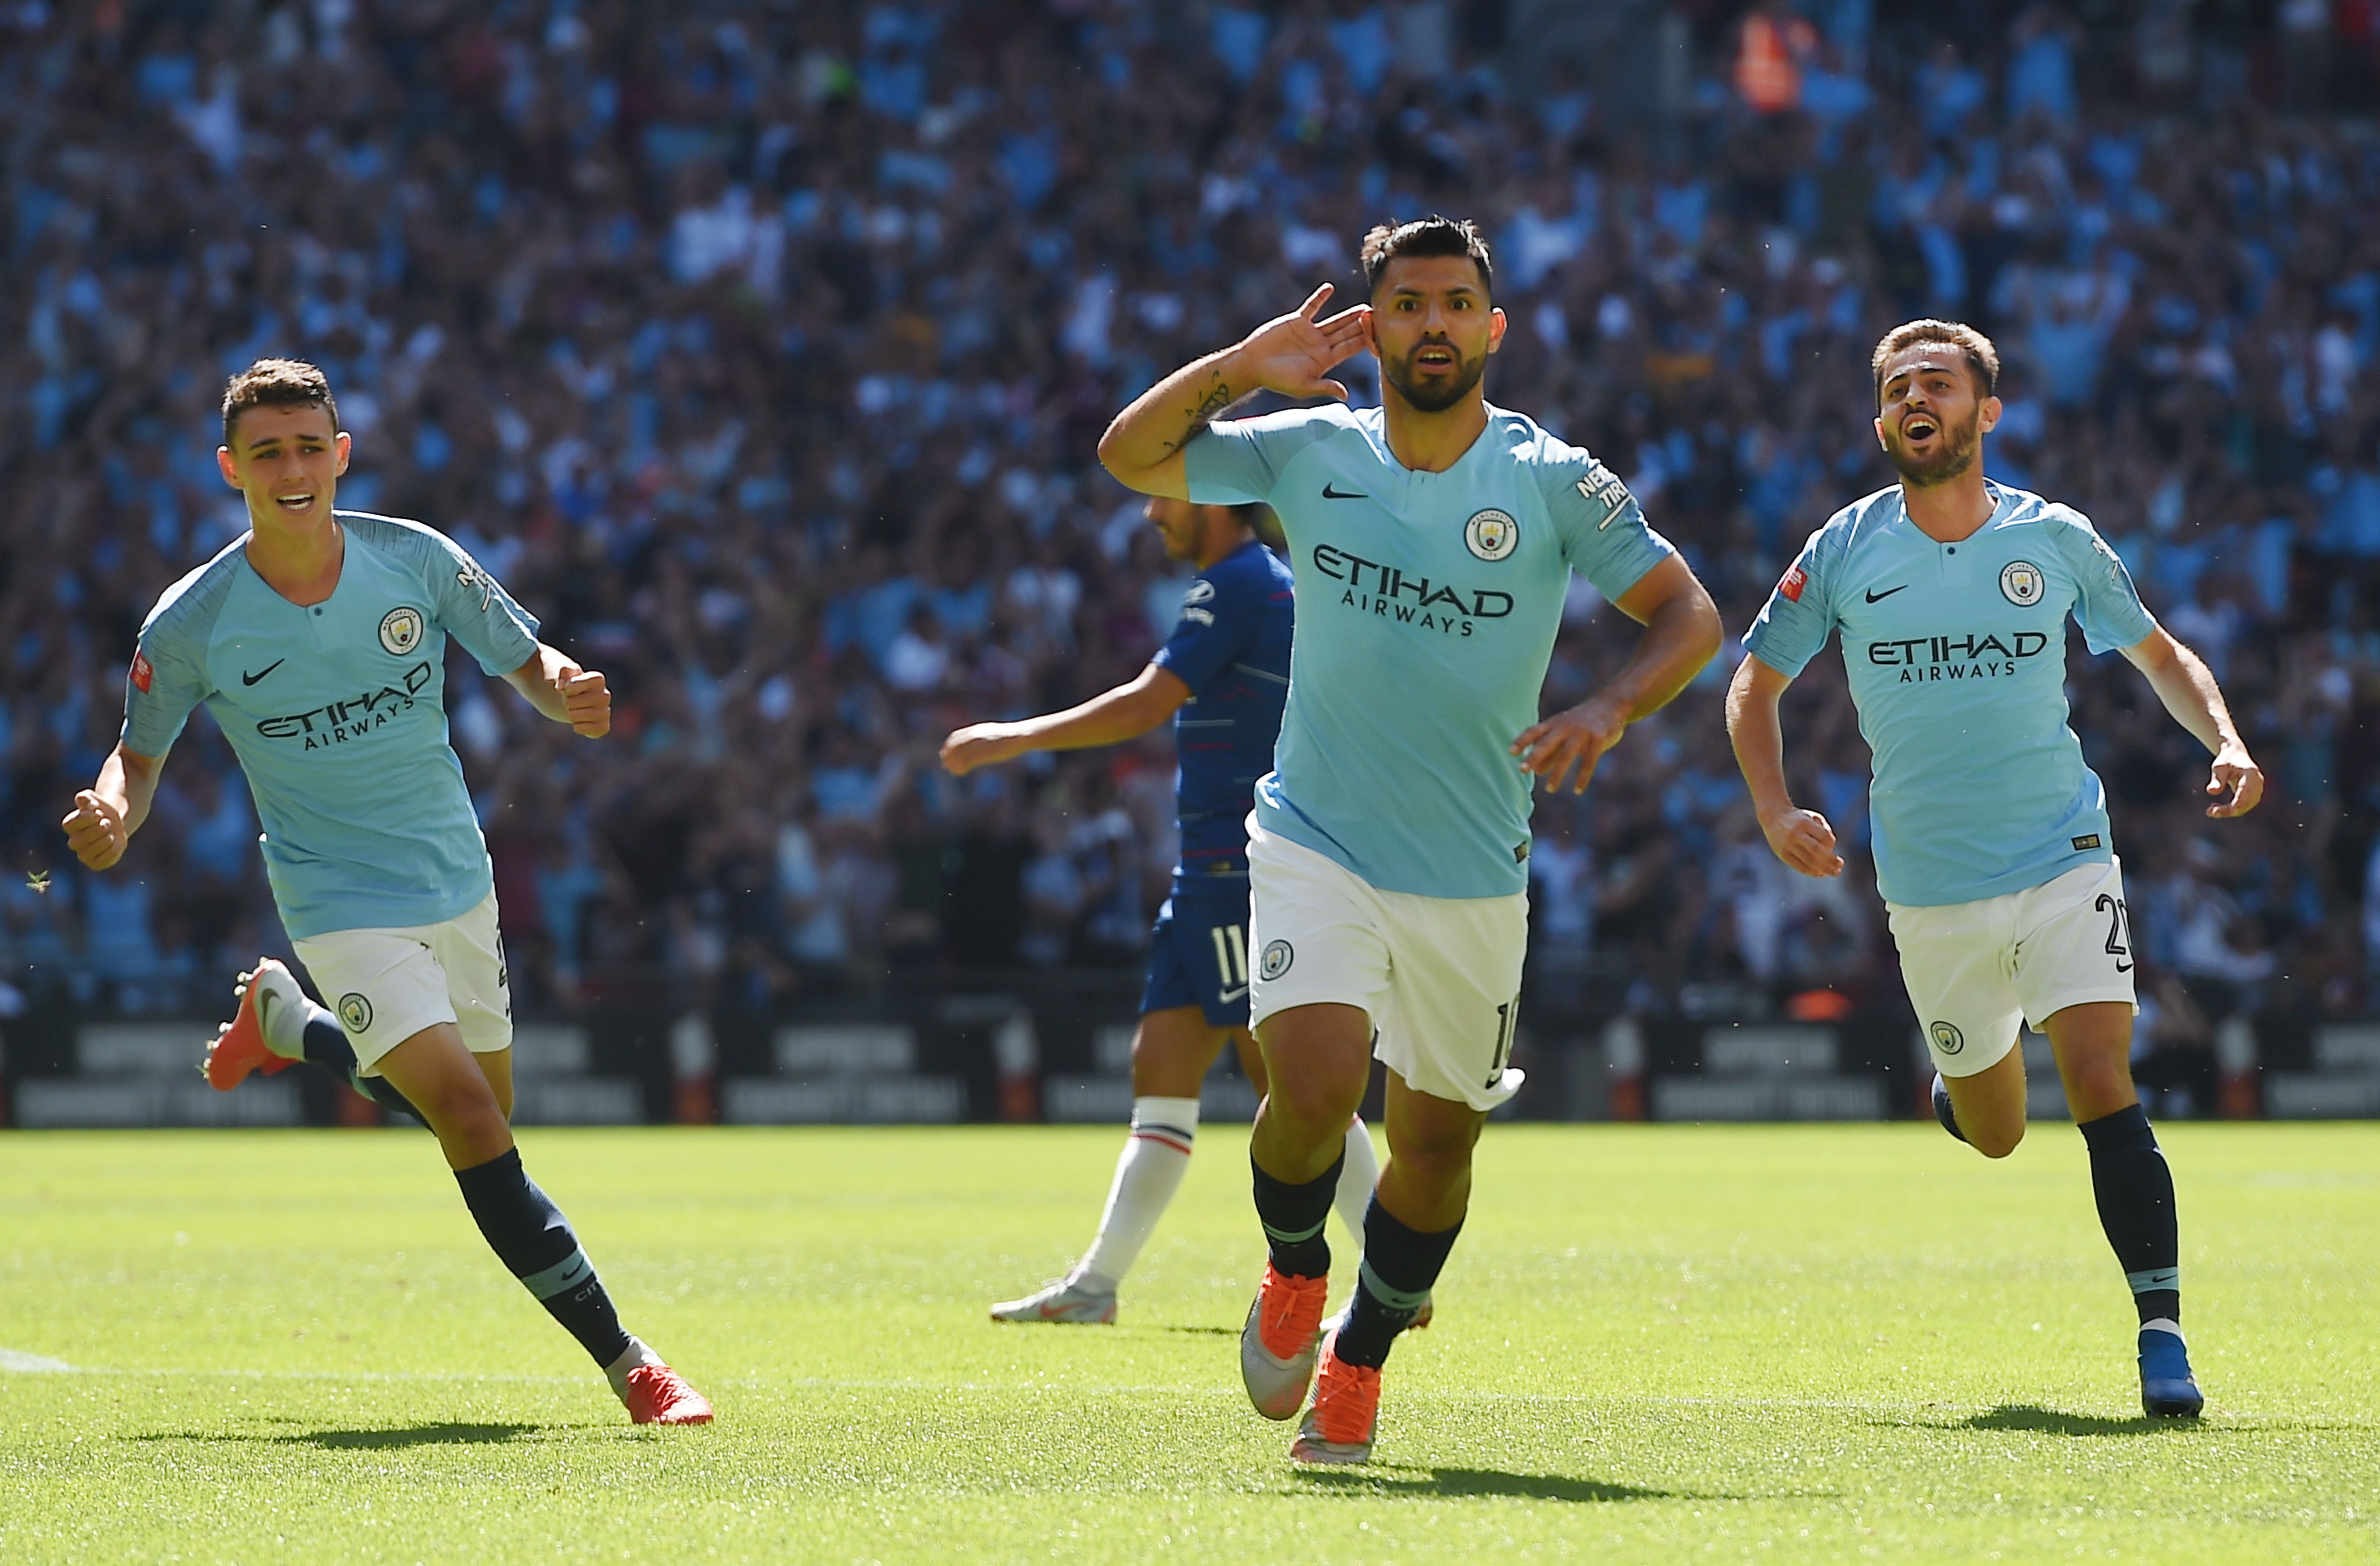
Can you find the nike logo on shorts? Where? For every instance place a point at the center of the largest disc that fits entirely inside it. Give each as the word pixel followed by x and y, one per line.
pixel 1228 996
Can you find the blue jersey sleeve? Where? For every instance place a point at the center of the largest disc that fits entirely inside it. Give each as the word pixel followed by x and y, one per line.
pixel 169 663
pixel 465 600
pixel 1602 529
pixel 168 678
pixel 1237 461
pixel 1221 617
pixel 1800 613
pixel 2107 605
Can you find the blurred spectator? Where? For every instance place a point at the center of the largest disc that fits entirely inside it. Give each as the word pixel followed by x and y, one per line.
pixel 762 354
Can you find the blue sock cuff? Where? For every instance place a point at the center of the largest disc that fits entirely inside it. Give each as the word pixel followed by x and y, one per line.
pixel 562 1277
pixel 2124 1129
pixel 1400 1261
pixel 1404 1302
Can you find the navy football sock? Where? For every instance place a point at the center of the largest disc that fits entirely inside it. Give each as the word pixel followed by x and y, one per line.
pixel 1293 1218
pixel 1401 1267
pixel 2134 1190
pixel 327 1046
pixel 529 1235
pixel 1943 1110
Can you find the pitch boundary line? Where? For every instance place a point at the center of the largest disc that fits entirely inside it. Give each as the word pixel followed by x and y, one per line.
pixel 22 1363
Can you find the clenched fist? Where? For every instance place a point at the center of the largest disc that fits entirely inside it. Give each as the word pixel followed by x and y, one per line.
pixel 96 831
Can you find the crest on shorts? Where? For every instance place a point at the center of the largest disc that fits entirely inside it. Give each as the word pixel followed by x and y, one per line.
pixel 1278 955
pixel 355 1012
pixel 1491 534
pixel 400 630
pixel 1946 1037
pixel 2022 583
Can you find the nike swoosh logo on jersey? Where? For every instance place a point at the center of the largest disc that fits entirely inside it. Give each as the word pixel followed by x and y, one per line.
pixel 1888 592
pixel 247 679
pixel 1329 494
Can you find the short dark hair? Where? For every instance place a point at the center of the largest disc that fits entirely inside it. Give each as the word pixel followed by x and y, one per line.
pixel 1431 236
pixel 1983 359
pixel 277 382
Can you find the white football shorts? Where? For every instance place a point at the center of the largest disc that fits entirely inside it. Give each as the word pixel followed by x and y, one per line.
pixel 1439 976
pixel 1975 969
pixel 387 985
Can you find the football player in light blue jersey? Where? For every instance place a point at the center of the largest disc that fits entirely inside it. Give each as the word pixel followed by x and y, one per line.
pixel 1993 849
pixel 1433 541
pixel 317 640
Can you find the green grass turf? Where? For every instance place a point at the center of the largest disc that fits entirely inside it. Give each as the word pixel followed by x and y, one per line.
pixel 1652 1344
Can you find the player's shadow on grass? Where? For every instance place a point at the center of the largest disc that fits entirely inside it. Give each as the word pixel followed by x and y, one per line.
pixel 2042 1421
pixel 346 1440
pixel 1475 1482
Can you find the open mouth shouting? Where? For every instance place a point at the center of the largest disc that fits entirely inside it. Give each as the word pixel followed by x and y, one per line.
pixel 1435 358
pixel 1919 428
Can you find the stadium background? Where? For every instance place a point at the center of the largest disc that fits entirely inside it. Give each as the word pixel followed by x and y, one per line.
pixel 761 351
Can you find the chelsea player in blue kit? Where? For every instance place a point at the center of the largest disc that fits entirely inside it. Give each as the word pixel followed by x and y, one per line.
pixel 1222 678
pixel 1993 849
pixel 318 641
pixel 1433 541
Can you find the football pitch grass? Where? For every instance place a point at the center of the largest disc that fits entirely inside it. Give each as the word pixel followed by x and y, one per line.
pixel 1652 1344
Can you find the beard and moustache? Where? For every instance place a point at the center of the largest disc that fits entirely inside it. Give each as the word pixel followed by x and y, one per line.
pixel 1437 399
pixel 1955 455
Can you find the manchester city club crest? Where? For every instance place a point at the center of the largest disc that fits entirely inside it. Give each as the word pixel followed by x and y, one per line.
pixel 1946 1034
pixel 355 1012
pixel 2022 583
pixel 1491 534
pixel 1277 957
pixel 400 630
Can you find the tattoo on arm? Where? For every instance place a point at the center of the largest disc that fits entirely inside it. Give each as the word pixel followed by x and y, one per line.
pixel 1218 399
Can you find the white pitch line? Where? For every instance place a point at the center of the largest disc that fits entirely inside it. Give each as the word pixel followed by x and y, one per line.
pixel 36 1363
pixel 24 1364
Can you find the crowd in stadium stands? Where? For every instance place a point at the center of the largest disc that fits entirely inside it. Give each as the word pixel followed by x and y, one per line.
pixel 762 352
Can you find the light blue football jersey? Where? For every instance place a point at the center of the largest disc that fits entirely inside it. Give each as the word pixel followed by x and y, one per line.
pixel 337 713
pixel 1956 658
pixel 1427 608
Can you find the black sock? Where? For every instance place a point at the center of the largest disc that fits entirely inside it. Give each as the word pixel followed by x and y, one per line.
pixel 326 1046
pixel 1293 1218
pixel 529 1235
pixel 2135 1194
pixel 1401 1266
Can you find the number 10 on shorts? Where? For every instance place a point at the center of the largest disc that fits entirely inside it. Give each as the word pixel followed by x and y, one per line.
pixel 1508 1017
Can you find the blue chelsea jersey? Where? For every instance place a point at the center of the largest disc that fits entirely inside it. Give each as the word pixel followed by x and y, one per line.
pixel 337 713
pixel 1957 659
pixel 1231 648
pixel 1427 608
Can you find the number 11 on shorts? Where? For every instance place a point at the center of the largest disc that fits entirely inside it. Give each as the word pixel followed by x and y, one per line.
pixel 1231 958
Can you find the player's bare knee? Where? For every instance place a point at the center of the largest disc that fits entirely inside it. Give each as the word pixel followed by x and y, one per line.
pixel 1994 1141
pixel 1314 1103
pixel 464 1109
pixel 2101 1089
pixel 1171 1061
pixel 1441 1152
